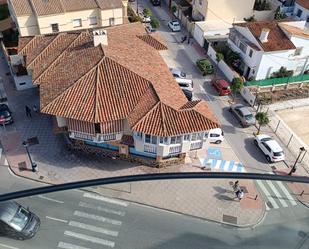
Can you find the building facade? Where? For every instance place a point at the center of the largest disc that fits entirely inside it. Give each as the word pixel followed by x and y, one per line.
pixel 301 10
pixel 115 93
pixel 35 17
pixel 265 47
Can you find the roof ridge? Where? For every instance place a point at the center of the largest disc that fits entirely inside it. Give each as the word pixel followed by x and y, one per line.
pixel 32 7
pixel 147 114
pixel 46 48
pixel 163 117
pixel 34 38
pixel 57 58
pixel 96 89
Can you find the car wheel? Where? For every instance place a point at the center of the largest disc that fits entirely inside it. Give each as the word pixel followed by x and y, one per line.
pixel 218 142
pixel 268 159
pixel 255 142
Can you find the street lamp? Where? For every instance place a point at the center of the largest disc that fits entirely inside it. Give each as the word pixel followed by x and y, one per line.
pixel 301 150
pixel 136 6
pixel 33 164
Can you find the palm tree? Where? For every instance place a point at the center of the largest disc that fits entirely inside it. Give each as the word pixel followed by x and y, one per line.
pixel 262 119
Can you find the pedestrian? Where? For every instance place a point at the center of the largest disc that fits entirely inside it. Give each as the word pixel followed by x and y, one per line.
pixel 35 109
pixel 236 186
pixel 239 194
pixel 28 111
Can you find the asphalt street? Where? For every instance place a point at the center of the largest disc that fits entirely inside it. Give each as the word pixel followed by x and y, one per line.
pixel 240 139
pixel 84 220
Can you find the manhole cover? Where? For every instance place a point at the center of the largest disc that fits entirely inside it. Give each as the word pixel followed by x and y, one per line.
pixel 269 204
pixel 244 189
pixel 33 141
pixel 22 166
pixel 229 219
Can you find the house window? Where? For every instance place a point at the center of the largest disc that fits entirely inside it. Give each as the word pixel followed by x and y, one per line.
pixel 55 27
pixel 298 51
pixel 150 139
pixel 139 135
pixel 111 21
pixel 77 23
pixel 299 12
pixel 176 140
pixel 97 128
pixel 163 140
pixel 250 53
pixel 242 47
pixel 93 20
pixel 307 20
pixel 194 137
pixel 186 137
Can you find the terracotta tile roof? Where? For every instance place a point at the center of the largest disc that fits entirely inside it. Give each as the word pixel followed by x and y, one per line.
pixel 126 79
pixel 50 7
pixel 303 3
pixel 295 31
pixel 277 40
pixel 149 39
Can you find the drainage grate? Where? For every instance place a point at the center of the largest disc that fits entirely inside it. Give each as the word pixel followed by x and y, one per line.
pixel 33 141
pixel 22 166
pixel 229 219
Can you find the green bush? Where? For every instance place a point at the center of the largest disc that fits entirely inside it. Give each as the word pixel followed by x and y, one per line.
pixel 155 23
pixel 261 5
pixel 219 57
pixel 282 73
pixel 147 12
pixel 174 8
pixel 132 16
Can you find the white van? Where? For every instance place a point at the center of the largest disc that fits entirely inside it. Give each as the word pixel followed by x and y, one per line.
pixel 186 84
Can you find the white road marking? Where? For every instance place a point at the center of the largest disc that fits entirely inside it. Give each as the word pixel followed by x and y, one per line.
pixel 234 169
pixel 90 238
pixel 226 166
pixel 6 163
pixel 93 228
pixel 70 246
pixel 273 188
pixel 10 247
pixel 269 197
pixel 97 218
pixel 49 199
pixel 99 208
pixel 286 192
pixel 56 219
pixel 105 199
pixel 217 166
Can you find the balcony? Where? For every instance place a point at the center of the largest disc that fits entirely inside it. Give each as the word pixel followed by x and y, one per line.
pixel 81 136
pixel 106 137
pixel 196 145
pixel 175 149
pixel 150 148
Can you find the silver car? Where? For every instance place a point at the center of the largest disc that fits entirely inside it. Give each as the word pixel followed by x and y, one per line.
pixel 243 114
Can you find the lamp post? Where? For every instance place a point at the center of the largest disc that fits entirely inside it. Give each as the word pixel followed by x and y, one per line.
pixel 33 164
pixel 136 6
pixel 301 150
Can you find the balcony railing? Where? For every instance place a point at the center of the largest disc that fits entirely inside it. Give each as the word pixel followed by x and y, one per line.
pixel 175 149
pixel 196 145
pixel 106 137
pixel 82 136
pixel 150 148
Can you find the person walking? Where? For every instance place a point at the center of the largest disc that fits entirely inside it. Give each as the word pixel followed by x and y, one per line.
pixel 236 186
pixel 239 194
pixel 28 111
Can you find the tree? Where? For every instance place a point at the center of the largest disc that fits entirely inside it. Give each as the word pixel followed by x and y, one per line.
pixel 147 12
pixel 262 119
pixel 174 8
pixel 155 23
pixel 282 73
pixel 219 57
pixel 236 86
pixel 279 14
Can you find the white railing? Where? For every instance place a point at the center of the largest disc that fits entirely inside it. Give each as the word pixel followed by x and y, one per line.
pixel 106 137
pixel 150 148
pixel 82 136
pixel 196 145
pixel 175 149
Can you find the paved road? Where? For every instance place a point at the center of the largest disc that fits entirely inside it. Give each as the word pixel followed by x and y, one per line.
pixel 240 139
pixel 82 220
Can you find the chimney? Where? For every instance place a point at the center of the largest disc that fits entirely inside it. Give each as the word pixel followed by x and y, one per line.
pixel 264 35
pixel 99 37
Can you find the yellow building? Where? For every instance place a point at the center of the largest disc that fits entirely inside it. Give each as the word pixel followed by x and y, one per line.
pixel 35 17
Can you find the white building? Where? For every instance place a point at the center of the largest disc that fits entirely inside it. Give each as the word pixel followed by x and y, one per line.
pixel 301 10
pixel 265 47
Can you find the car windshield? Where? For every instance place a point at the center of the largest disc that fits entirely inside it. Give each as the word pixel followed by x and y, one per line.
pixel 265 139
pixel 249 117
pixel 280 153
pixel 20 219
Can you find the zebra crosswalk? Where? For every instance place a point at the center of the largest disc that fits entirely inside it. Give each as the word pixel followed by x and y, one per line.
pixel 223 165
pixel 94 224
pixel 276 194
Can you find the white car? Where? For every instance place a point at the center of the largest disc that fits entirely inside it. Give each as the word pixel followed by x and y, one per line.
pixel 174 26
pixel 145 19
pixel 149 28
pixel 215 136
pixel 177 73
pixel 271 149
pixel 185 84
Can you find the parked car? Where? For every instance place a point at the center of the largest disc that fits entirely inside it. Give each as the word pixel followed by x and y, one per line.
pixel 5 115
pixel 215 136
pixel 17 221
pixel 271 149
pixel 185 84
pixel 177 73
pixel 222 87
pixel 150 29
pixel 145 19
pixel 205 66
pixel 188 94
pixel 174 26
pixel 243 114
pixel 156 2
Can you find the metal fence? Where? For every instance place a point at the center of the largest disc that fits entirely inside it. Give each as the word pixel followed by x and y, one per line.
pixel 278 81
pixel 288 137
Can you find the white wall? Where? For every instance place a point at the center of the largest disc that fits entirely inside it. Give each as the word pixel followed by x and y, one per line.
pixel 23 82
pixel 304 15
pixel 198 34
pixel 62 122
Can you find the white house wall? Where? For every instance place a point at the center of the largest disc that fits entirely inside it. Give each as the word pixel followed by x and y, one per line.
pixel 304 15
pixel 198 34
